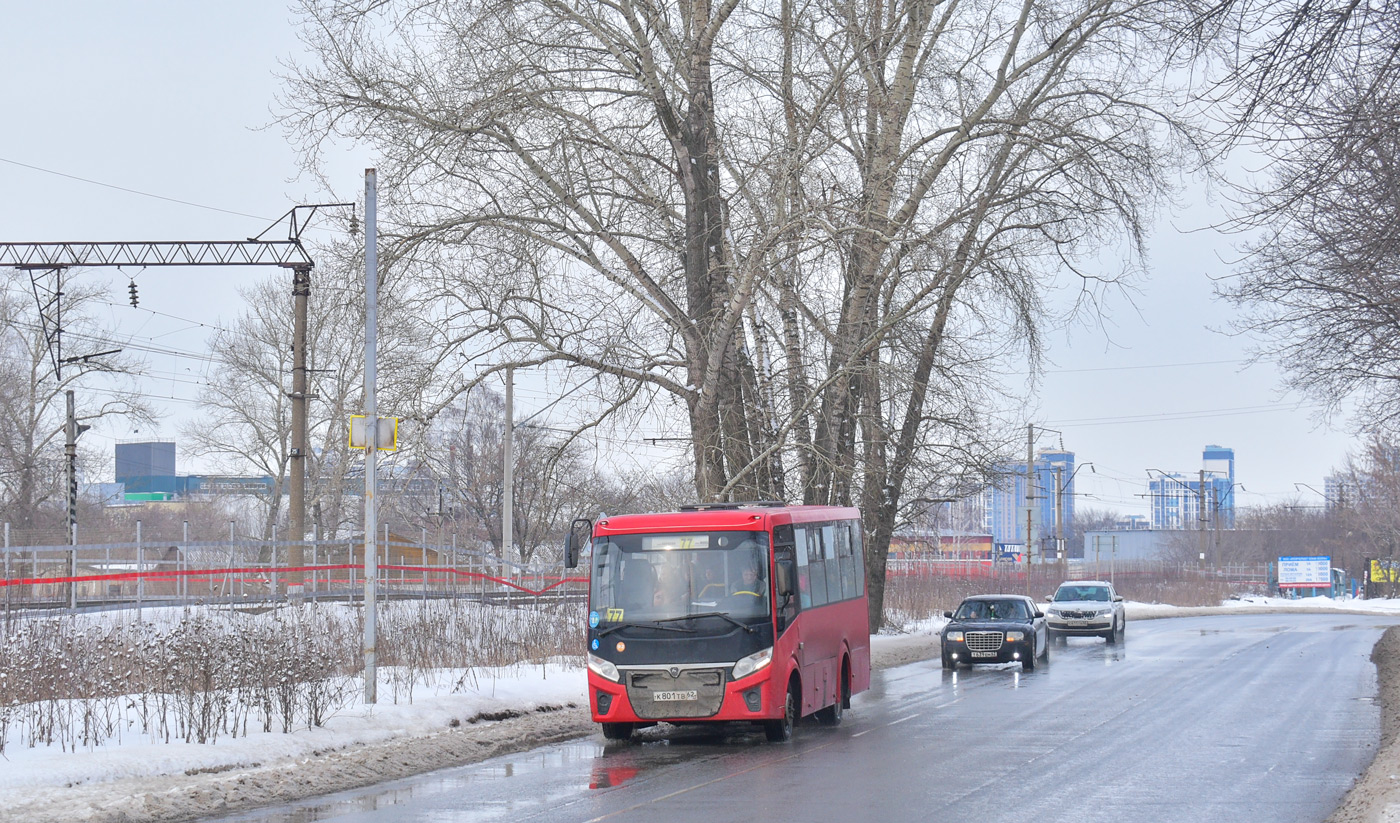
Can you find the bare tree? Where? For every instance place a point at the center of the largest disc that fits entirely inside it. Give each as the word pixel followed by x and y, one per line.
pixel 1315 88
pixel 976 151
pixel 816 228
pixel 33 403
pixel 245 425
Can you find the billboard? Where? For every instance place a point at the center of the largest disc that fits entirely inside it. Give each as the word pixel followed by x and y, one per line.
pixel 1305 572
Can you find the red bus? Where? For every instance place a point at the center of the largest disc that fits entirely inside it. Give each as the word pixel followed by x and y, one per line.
pixel 724 612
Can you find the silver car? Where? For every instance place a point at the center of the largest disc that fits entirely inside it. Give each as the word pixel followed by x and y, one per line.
pixel 1086 608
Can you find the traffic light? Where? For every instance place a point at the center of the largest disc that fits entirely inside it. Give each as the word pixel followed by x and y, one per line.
pixel 131 289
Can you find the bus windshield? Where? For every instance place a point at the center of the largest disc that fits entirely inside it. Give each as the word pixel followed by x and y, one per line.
pixel 650 577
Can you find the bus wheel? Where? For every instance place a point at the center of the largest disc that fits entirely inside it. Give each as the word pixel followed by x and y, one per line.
pixel 831 715
pixel 617 731
pixel 780 730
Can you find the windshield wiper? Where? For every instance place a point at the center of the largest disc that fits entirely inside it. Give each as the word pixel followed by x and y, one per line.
pixel 746 627
pixel 609 630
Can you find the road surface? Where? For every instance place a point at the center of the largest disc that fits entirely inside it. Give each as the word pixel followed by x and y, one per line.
pixel 1235 717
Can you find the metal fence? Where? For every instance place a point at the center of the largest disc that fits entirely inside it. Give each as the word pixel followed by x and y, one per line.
pixel 1249 577
pixel 149 573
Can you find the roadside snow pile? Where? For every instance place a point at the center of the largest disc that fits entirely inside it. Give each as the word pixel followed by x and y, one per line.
pixel 1252 604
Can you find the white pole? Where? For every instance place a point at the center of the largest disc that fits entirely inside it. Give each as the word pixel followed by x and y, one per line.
pixel 182 564
pixel 272 594
pixel 315 541
pixel 140 572
pixel 508 482
pixel 372 428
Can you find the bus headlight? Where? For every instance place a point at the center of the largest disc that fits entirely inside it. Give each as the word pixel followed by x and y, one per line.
pixel 603 668
pixel 748 665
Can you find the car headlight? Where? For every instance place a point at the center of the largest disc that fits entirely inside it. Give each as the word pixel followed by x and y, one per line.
pixel 748 665
pixel 956 637
pixel 1015 637
pixel 1103 612
pixel 603 668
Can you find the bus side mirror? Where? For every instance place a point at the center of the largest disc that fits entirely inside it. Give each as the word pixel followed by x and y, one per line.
pixel 579 531
pixel 784 578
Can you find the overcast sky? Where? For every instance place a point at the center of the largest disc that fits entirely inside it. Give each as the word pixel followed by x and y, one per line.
pixel 102 100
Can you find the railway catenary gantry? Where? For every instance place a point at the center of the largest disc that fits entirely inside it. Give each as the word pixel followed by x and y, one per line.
pixel 56 257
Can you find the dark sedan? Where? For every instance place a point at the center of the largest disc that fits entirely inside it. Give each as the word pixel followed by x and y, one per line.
pixel 995 628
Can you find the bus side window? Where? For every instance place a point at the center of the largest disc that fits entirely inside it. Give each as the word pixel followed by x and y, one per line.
pixel 833 564
pixel 847 561
pixel 804 577
pixel 816 561
pixel 858 552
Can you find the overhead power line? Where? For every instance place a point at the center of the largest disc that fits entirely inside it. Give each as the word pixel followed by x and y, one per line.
pixel 131 191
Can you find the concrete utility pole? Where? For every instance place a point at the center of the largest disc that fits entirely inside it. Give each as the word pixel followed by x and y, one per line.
pixel 296 505
pixel 1201 514
pixel 71 430
pixel 1031 497
pixel 371 430
pixel 1059 514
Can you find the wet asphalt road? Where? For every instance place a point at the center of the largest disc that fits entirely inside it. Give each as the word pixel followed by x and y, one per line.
pixel 1223 718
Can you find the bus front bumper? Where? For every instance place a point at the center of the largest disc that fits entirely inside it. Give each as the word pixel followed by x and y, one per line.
pixel 653 695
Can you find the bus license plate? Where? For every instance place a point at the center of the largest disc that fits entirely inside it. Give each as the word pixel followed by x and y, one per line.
pixel 690 695
pixel 983 654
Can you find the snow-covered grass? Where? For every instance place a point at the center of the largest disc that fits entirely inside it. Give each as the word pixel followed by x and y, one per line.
pixel 459 697
pixel 196 676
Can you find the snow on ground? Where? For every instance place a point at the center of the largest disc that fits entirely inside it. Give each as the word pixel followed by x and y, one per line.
pixel 1251 604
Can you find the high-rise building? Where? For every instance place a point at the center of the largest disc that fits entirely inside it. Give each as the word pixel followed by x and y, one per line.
pixel 1205 501
pixel 1050 497
pixel 1337 490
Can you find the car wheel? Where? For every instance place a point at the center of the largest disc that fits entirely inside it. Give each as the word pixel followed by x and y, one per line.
pixel 1028 662
pixel 1112 635
pixel 781 729
pixel 947 661
pixel 618 731
pixel 1051 637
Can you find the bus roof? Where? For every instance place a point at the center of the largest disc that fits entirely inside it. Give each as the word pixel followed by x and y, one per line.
pixel 741 517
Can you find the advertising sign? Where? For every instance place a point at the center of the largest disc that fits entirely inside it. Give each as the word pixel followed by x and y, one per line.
pixel 1385 570
pixel 1305 572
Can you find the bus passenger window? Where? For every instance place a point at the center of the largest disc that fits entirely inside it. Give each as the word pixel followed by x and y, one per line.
pixel 804 576
pixel 858 552
pixel 833 565
pixel 816 561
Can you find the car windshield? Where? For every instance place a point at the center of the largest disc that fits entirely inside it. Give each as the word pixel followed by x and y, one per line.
pixel 1081 593
pixel 650 577
pixel 991 610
